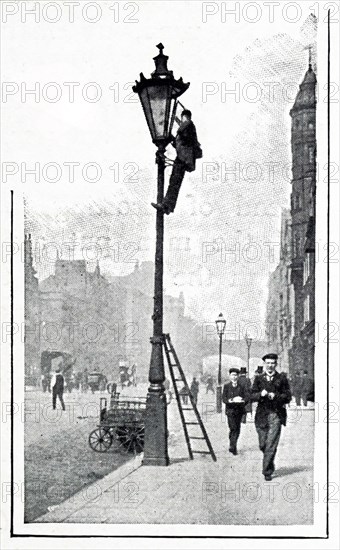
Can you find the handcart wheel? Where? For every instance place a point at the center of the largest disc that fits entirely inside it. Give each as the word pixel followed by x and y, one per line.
pixel 131 438
pixel 100 440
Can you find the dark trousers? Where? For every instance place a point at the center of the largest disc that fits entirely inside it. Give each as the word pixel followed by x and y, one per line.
pixel 176 179
pixel 268 441
pixel 194 397
pixel 298 399
pixel 57 393
pixel 234 423
pixel 184 397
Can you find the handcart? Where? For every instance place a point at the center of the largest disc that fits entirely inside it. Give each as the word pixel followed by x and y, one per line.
pixel 122 422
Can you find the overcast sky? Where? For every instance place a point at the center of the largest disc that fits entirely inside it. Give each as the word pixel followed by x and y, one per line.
pixel 247 131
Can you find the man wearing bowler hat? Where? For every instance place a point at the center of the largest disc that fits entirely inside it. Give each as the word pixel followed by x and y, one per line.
pixel 235 396
pixel 271 391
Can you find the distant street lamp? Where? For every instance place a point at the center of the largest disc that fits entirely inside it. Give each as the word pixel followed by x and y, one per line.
pixel 220 326
pixel 158 96
pixel 248 342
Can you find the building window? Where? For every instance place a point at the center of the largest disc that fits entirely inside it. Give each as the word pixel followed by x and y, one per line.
pixel 306 315
pixel 297 246
pixel 311 154
pixel 310 125
pixel 306 268
pixel 296 201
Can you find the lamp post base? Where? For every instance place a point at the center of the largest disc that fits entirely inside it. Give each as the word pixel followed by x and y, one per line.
pixel 218 399
pixel 156 430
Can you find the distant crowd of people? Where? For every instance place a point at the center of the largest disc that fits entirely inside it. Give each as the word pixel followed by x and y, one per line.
pixel 76 380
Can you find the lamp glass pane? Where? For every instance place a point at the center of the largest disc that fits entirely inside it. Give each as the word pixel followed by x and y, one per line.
pixel 144 97
pixel 220 325
pixel 156 104
pixel 173 108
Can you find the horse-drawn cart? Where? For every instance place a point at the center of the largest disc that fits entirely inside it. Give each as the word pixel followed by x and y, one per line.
pixel 122 422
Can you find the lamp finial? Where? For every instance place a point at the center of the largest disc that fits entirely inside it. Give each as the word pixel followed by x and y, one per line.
pixel 161 62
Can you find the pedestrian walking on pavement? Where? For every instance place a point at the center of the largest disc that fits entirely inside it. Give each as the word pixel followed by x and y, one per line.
pixel 57 384
pixel 307 389
pixel 210 385
pixel 184 393
pixel 235 396
pixel 194 389
pixel 243 379
pixel 272 392
pixel 297 388
pixel 188 150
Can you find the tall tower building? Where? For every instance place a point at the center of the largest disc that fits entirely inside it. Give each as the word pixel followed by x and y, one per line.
pixel 303 141
pixel 32 313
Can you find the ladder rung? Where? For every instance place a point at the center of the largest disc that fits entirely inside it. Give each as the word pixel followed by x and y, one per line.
pixel 194 437
pixel 178 379
pixel 187 409
pixel 196 423
pixel 201 452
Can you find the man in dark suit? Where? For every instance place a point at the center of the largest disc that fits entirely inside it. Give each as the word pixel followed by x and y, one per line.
pixel 271 391
pixel 57 385
pixel 307 389
pixel 235 396
pixel 297 388
pixel 245 380
pixel 188 150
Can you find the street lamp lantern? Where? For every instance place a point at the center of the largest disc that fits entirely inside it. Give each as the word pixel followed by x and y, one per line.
pixel 248 340
pixel 220 326
pixel 158 96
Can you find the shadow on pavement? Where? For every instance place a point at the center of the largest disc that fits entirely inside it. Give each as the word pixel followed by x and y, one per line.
pixel 178 460
pixel 280 472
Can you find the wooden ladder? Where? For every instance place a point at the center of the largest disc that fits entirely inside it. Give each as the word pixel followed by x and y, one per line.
pixel 177 376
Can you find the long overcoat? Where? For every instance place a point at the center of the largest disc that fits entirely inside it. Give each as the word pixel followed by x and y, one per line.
pixel 187 145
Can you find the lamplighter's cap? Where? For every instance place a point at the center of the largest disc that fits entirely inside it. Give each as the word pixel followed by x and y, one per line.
pixel 234 369
pixel 270 356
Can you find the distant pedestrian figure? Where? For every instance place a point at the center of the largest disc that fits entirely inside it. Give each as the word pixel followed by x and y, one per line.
pixel 194 389
pixel 210 385
pixel 271 391
pixel 84 381
pixel 259 370
pixel 243 379
pixel 307 389
pixel 57 384
pixel 184 393
pixel 235 396
pixel 188 150
pixel 297 388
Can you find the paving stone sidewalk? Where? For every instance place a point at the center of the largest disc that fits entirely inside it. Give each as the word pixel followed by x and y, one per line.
pixel 231 491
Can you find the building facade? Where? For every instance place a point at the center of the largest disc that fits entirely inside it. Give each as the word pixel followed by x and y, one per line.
pixel 303 192
pixel 280 304
pixel 32 314
pixel 290 322
pixel 99 321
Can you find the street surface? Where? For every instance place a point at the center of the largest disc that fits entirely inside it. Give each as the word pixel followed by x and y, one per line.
pixel 231 491
pixel 58 459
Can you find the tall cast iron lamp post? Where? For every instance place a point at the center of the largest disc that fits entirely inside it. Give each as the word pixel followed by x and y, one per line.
pixel 248 342
pixel 220 326
pixel 158 96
